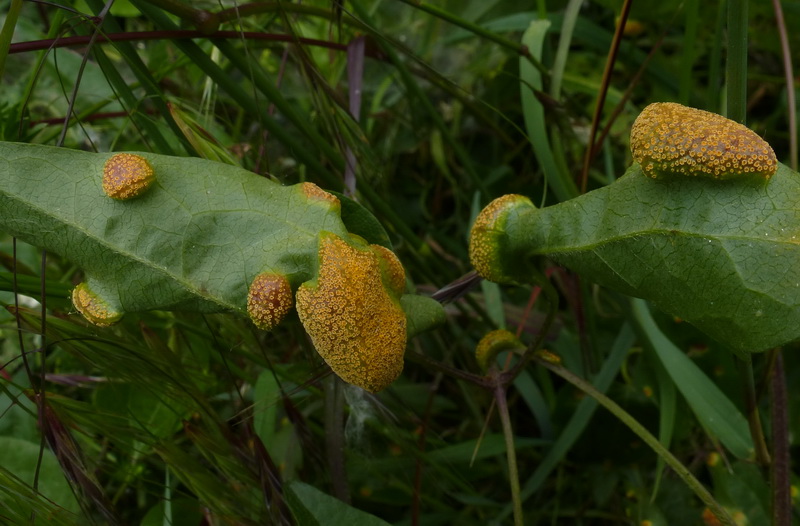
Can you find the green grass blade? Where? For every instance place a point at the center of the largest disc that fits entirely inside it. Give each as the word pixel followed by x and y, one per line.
pixel 715 412
pixel 533 111
pixel 580 418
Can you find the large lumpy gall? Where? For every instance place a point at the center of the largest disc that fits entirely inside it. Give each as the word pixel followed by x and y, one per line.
pixel 355 321
pixel 127 175
pixel 269 300
pixel 671 139
pixel 93 308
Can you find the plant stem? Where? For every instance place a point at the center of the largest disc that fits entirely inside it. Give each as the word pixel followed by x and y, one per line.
pixel 789 74
pixel 737 60
pixel 601 94
pixel 8 31
pixel 334 437
pixel 681 470
pixel 751 407
pixel 511 453
pixel 781 475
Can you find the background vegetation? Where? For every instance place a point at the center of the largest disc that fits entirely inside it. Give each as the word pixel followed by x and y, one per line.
pixel 424 112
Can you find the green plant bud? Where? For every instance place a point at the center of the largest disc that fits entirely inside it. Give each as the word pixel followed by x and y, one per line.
pixel 356 324
pixel 269 300
pixel 126 175
pixel 671 139
pixel 93 308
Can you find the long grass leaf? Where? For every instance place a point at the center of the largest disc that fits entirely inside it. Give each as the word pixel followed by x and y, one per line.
pixel 580 418
pixel 713 409
pixel 533 112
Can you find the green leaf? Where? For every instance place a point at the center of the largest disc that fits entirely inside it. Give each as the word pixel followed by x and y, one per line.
pixel 427 313
pixel 185 512
pixel 724 256
pixel 360 221
pixel 533 111
pixel 194 241
pixel 267 392
pixel 312 507
pixel 713 409
pixel 19 457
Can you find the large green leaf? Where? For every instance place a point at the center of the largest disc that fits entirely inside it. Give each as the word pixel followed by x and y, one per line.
pixel 194 242
pixel 724 256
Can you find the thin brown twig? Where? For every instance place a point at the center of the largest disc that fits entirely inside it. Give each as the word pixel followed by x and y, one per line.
pixel 140 36
pixel 601 94
pixel 789 74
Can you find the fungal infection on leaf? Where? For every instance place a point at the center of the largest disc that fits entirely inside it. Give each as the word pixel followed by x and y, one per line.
pixel 492 344
pixel 127 175
pixel 487 238
pixel 672 139
pixel 269 300
pixel 392 270
pixel 93 308
pixel 315 193
pixel 355 321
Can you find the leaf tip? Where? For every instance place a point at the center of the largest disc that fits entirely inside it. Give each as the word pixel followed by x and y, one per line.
pixel 95 309
pixel 486 238
pixel 492 344
pixel 315 193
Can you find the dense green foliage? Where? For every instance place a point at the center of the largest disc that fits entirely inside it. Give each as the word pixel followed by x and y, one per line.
pixel 423 113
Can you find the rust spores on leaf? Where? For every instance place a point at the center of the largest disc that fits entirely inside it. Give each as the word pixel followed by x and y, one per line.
pixel 93 308
pixel 127 175
pixel 269 300
pixel 392 270
pixel 355 322
pixel 492 344
pixel 315 193
pixel 486 237
pixel 671 139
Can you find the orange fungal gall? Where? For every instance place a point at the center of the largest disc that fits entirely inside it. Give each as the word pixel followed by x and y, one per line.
pixel 126 175
pixel 93 308
pixel 671 139
pixel 354 321
pixel 269 300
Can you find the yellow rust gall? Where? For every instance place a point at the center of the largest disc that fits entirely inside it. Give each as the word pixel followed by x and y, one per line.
pixel 485 237
pixel 355 323
pixel 126 175
pixel 671 139
pixel 93 308
pixel 269 300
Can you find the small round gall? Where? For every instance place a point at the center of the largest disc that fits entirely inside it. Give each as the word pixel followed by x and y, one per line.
pixel 127 175
pixel 269 300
